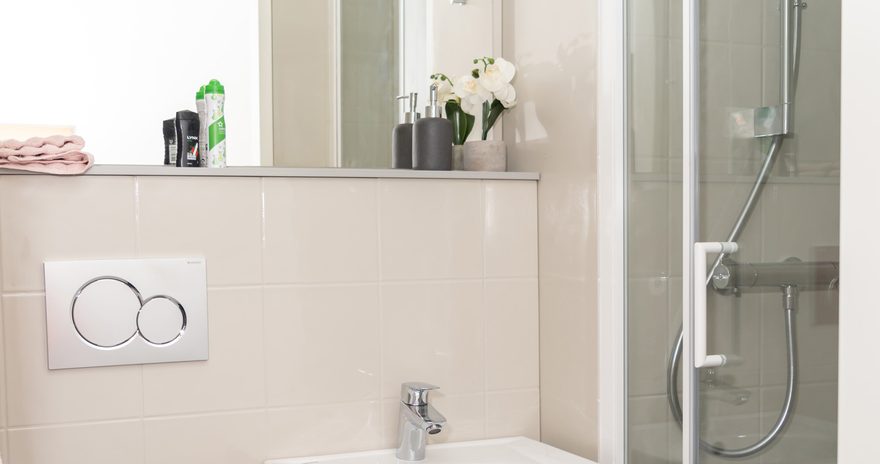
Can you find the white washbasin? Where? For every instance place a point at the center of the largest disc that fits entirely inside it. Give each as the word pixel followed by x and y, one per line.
pixel 500 451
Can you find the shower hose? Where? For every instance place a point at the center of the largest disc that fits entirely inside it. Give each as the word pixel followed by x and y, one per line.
pixel 791 370
pixel 790 341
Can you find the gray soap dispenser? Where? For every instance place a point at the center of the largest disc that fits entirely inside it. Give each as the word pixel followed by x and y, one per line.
pixel 432 138
pixel 402 135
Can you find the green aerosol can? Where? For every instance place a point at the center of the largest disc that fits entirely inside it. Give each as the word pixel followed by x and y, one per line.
pixel 215 97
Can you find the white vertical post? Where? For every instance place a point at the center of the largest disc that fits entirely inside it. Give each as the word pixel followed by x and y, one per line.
pixel 611 121
pixel 690 165
pixel 858 401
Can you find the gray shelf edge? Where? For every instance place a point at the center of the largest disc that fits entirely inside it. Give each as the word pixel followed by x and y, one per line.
pixel 259 171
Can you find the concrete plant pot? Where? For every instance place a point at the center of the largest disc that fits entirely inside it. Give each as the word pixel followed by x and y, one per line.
pixel 458 157
pixel 485 155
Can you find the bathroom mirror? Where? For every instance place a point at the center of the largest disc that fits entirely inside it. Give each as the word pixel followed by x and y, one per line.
pixel 309 83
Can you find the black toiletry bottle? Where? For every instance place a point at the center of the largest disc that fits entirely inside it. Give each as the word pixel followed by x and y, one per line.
pixel 401 136
pixel 186 128
pixel 170 142
pixel 432 138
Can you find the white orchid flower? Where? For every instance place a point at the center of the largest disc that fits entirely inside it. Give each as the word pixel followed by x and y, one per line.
pixel 445 92
pixel 472 94
pixel 507 96
pixel 497 76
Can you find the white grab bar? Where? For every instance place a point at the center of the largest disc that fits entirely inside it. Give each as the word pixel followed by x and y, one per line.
pixel 701 250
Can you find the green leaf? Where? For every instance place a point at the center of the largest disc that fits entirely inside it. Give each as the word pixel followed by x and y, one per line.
pixel 462 123
pixel 490 116
pixel 468 126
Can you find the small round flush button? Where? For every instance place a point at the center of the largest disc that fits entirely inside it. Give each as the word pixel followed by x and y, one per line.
pixel 161 320
pixel 104 310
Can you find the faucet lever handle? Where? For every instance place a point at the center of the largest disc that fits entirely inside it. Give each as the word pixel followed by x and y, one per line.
pixel 416 393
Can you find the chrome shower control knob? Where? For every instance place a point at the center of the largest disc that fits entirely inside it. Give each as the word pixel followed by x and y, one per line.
pixel 721 277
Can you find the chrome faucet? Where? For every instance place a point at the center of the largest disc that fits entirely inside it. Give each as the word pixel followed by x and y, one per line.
pixel 418 419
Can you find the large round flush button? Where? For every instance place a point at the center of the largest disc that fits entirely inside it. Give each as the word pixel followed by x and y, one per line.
pixel 104 312
pixel 161 320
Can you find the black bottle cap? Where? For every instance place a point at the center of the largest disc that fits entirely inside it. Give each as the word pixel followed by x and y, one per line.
pixel 187 114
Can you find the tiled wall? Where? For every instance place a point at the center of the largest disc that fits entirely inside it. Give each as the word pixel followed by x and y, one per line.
pixel 552 130
pixel 324 295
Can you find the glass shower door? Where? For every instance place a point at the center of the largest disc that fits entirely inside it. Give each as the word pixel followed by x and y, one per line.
pixel 718 162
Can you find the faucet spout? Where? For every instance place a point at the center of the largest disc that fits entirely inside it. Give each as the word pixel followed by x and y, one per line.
pixel 417 421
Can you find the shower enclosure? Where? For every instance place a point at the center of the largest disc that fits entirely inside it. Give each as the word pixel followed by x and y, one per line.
pixel 732 199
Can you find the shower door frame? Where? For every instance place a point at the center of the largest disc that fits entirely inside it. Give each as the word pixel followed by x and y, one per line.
pixel 612 172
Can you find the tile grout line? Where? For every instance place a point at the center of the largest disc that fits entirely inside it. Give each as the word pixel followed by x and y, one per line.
pixel 537 216
pixel 262 289
pixel 202 414
pixel 137 249
pixel 379 281
pixel 5 393
pixel 361 283
pixel 483 307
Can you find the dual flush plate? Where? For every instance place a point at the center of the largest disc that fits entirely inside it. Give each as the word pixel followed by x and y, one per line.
pixel 117 312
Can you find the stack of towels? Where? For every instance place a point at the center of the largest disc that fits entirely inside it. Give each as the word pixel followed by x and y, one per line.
pixel 58 154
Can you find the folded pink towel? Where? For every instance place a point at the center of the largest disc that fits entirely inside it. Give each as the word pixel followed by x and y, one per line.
pixel 58 154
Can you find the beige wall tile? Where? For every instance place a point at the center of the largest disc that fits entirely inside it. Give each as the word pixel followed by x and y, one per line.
pixel 236 438
pixel 101 443
pixel 433 332
pixel 233 375
pixel 48 218
pixel 320 230
pixel 511 229
pixel 569 367
pixel 466 416
pixel 218 218
pixel 649 18
pixel 3 409
pixel 650 89
pixel 322 344
pixel 648 212
pixel 816 402
pixel 513 414
pixel 812 210
pixel 645 324
pixel 511 334
pixel 330 429
pixel 648 430
pixel 37 395
pixel 430 229
pixel 746 21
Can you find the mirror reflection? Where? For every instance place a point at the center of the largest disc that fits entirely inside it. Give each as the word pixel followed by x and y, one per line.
pixel 306 83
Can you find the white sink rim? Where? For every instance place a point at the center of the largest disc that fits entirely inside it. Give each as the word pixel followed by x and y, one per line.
pixel 567 458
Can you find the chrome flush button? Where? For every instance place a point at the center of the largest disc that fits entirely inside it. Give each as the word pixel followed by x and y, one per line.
pixel 104 312
pixel 117 312
pixel 161 320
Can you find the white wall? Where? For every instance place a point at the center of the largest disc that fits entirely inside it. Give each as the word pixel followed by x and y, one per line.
pixel 859 404
pixel 115 70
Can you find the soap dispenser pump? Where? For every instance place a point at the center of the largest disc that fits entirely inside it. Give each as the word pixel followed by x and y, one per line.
pixel 432 138
pixel 402 135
